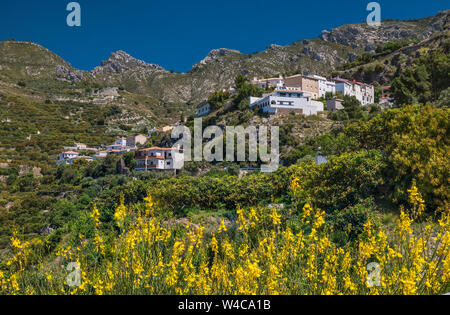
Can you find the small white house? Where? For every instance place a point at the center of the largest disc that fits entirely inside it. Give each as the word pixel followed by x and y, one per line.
pixel 70 157
pixel 67 155
pixel 285 100
pixel 204 109
pixel 114 147
pixel 156 158
pixel 121 145
pixel 101 155
pixel 121 141
pixel 334 104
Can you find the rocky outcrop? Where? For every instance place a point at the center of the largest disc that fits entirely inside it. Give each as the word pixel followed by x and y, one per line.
pixel 216 54
pixel 120 62
pixel 362 35
pixel 63 73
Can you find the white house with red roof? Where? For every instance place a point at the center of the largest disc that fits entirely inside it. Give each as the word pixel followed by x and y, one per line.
pixel 156 158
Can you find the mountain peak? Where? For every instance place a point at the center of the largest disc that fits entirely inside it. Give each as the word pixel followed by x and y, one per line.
pixel 217 53
pixel 120 61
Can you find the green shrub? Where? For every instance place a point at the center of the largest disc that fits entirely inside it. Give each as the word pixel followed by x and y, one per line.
pixel 346 225
pixel 344 181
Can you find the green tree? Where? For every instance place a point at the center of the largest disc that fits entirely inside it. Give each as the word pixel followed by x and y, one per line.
pixel 244 104
pixel 444 98
pixel 26 182
pixel 240 80
pixel 245 91
pixel 129 160
pixel 352 107
pixel 218 99
pixel 63 211
pixel 412 87
pixel 415 142
pixel 378 93
pixel 424 81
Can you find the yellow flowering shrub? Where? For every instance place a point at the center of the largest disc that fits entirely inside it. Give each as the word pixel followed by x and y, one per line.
pixel 260 254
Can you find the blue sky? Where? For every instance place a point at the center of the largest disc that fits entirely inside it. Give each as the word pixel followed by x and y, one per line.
pixel 177 34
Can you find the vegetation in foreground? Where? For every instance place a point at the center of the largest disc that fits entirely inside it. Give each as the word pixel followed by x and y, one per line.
pixel 264 252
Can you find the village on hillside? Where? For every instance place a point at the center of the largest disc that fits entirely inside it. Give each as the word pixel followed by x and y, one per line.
pixel 154 158
pixel 302 93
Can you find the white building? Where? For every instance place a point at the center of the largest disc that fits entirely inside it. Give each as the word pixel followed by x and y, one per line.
pixel 101 155
pixel 121 146
pixel 159 159
pixel 334 104
pixel 137 138
pixel 69 157
pixel 121 141
pixel 343 86
pixel 269 82
pixel 364 93
pixel 325 85
pixel 204 109
pixel 367 94
pixel 285 100
pixel 80 147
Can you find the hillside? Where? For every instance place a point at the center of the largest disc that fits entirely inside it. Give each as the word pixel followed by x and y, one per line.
pixel 386 61
pixel 320 55
pixel 35 81
pixel 26 60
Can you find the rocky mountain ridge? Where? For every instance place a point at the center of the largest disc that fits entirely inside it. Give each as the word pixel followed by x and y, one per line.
pixel 321 55
pixel 363 35
pixel 120 62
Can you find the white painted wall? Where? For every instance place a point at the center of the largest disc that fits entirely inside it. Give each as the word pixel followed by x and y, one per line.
pixel 293 100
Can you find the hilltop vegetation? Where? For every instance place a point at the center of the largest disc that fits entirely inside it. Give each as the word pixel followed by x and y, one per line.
pixel 388 60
